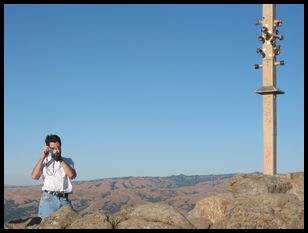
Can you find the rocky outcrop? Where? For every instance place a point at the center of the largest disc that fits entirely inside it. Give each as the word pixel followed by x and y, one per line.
pixel 209 210
pixel 152 216
pixel 95 220
pixel 146 216
pixel 254 201
pixel 27 223
pixel 60 219
pixel 297 181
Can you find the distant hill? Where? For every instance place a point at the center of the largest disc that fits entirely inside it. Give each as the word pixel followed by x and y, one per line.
pixel 111 195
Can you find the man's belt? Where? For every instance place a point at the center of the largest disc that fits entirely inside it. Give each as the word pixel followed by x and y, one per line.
pixel 57 193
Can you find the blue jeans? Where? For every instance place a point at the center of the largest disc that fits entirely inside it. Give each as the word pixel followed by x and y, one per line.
pixel 50 203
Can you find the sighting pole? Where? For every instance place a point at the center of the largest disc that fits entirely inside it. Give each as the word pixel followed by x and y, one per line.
pixel 270 50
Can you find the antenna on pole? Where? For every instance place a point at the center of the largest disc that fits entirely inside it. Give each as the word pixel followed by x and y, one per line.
pixel 269 52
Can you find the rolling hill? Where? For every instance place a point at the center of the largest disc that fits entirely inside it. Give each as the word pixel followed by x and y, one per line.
pixel 110 195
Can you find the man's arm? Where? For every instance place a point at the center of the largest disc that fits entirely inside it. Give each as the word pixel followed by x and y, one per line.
pixel 69 171
pixel 38 169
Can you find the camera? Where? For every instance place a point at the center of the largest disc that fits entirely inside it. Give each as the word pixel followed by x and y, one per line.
pixel 55 155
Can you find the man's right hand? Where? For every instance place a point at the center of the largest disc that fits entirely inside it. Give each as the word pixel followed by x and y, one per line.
pixel 45 152
pixel 37 170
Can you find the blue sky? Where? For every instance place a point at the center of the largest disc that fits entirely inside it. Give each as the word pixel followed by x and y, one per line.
pixel 147 90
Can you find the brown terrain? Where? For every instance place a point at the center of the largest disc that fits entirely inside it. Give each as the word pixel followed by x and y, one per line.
pixel 111 195
pixel 252 201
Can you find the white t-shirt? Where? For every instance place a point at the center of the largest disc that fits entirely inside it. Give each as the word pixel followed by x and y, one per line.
pixel 54 176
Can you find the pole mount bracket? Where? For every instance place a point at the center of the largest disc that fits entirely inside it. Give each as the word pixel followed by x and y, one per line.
pixel 269 90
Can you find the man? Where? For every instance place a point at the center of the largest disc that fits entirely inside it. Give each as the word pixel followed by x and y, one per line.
pixel 57 173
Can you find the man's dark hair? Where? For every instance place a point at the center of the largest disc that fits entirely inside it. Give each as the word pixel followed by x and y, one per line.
pixel 52 138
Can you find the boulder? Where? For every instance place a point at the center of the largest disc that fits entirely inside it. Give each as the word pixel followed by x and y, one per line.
pixel 27 223
pixel 297 181
pixel 264 211
pixel 151 216
pixel 211 208
pixel 60 219
pixel 95 220
pixel 255 201
pixel 200 222
pixel 254 184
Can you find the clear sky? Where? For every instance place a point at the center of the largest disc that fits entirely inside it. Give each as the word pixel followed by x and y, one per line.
pixel 147 90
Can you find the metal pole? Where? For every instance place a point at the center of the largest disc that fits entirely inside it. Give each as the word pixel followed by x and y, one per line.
pixel 269 90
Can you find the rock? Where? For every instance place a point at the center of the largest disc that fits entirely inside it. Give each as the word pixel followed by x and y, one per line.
pixel 144 224
pixel 152 216
pixel 60 219
pixel 29 223
pixel 200 222
pixel 253 184
pixel 297 181
pixel 264 211
pixel 293 215
pixel 211 208
pixel 255 201
pixel 91 221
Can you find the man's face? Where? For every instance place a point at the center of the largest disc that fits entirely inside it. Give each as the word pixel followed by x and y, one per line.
pixel 55 147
